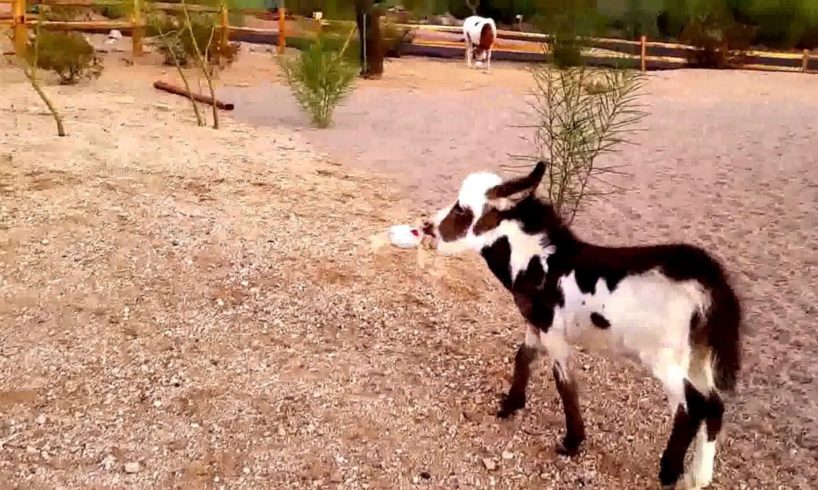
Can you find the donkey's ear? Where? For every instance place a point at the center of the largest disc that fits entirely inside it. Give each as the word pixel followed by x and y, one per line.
pixel 515 190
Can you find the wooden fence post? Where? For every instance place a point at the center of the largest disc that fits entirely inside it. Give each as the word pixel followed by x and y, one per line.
pixel 138 30
pixel 805 62
pixel 644 51
pixel 282 36
pixel 20 31
pixel 225 34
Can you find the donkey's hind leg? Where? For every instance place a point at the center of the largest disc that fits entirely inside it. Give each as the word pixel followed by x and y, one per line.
pixel 700 474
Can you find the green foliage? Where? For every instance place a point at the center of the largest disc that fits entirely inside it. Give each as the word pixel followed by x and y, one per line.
pixel 582 114
pixel 320 79
pixel 65 13
pixel 394 37
pixel 116 10
pixel 568 21
pixel 67 54
pixel 175 41
pixel 711 27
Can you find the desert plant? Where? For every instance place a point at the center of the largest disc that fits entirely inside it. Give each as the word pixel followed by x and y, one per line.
pixel 394 38
pixel 192 32
pixel 182 48
pixel 720 42
pixel 575 125
pixel 116 11
pixel 320 79
pixel 68 54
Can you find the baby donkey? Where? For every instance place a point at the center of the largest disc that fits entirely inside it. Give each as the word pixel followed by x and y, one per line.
pixel 670 307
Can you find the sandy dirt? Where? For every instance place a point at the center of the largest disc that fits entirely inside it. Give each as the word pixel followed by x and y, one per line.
pixel 190 308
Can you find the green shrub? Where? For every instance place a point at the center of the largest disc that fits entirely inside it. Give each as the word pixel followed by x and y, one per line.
pixel 720 41
pixel 394 37
pixel 175 41
pixel 65 13
pixel 116 11
pixel 567 52
pixel 320 79
pixel 67 54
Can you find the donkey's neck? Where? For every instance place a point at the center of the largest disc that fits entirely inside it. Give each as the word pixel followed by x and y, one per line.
pixel 514 254
pixel 518 248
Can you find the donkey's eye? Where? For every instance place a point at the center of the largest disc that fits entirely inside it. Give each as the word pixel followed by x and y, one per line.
pixel 458 209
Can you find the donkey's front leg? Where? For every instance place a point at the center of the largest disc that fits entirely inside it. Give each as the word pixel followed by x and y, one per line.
pixel 527 354
pixel 559 350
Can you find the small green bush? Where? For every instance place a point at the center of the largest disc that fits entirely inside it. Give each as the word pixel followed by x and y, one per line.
pixel 720 41
pixel 320 79
pixel 116 11
pixel 67 54
pixel 567 52
pixel 175 41
pixel 65 13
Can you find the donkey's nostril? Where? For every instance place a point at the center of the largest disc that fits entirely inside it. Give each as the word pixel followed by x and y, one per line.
pixel 428 227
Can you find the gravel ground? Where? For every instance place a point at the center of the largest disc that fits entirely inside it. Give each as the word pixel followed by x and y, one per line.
pixel 183 307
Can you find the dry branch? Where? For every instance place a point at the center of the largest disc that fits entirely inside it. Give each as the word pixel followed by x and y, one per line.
pixel 31 74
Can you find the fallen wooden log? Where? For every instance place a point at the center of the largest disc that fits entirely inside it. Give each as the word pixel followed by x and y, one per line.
pixel 167 87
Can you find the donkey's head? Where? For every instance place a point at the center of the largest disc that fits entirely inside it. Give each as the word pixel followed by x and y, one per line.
pixel 483 203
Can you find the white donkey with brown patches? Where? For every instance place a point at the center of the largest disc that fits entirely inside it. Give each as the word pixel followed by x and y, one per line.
pixel 671 307
pixel 479 34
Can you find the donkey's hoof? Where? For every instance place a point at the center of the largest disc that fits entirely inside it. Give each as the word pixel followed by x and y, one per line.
pixel 568 447
pixel 669 476
pixel 509 405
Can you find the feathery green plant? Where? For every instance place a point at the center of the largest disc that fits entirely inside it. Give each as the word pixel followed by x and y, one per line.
pixel 320 79
pixel 580 115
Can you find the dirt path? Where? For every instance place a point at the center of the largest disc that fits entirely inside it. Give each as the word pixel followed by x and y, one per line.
pixel 207 304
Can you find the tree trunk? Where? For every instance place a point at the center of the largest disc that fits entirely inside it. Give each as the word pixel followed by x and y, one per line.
pixel 371 40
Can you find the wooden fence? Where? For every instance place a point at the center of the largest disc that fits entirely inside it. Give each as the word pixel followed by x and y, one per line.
pixel 135 25
pixel 644 54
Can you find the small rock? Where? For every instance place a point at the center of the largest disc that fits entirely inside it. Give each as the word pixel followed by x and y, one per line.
pixel 425 475
pixel 489 464
pixel 246 470
pixel 508 455
pixel 415 479
pixel 41 419
pixel 109 462
pixel 220 302
pixel 45 241
pixel 245 283
pixel 588 476
pixel 132 467
pixel 157 403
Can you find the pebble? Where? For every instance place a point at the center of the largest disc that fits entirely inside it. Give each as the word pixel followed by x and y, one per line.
pixel 109 462
pixel 41 419
pixel 508 455
pixel 489 464
pixel 131 467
